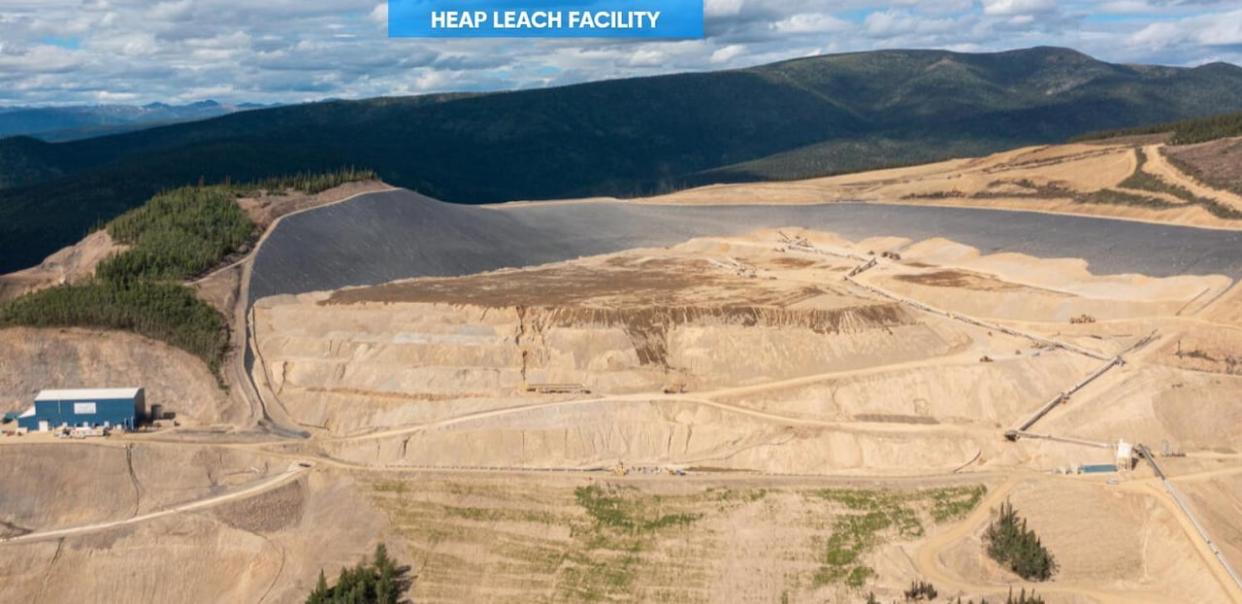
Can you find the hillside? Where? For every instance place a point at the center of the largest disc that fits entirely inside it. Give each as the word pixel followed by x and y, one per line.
pixel 1181 132
pixel 795 119
pixel 84 121
pixel 1138 178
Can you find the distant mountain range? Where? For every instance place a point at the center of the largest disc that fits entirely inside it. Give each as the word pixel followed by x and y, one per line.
pixel 56 124
pixel 801 118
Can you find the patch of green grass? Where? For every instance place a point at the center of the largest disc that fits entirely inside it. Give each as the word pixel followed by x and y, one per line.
pixel 478 514
pixel 955 503
pixel 731 495
pixel 858 577
pixel 622 525
pixel 1122 198
pixel 394 486
pixel 874 515
pixel 614 512
pixel 894 506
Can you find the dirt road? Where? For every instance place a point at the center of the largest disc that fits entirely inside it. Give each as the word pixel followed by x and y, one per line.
pixel 295 470
pixel 928 562
pixel 1159 165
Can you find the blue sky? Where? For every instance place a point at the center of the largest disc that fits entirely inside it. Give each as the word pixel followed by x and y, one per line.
pixel 138 51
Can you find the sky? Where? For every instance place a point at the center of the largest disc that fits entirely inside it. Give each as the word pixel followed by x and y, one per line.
pixel 59 52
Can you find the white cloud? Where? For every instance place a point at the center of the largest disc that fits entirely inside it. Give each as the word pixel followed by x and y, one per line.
pixel 380 13
pixel 1206 31
pixel 722 8
pixel 171 11
pixel 728 53
pixel 1018 7
pixel 105 97
pixel 1158 35
pixel 135 44
pixel 1126 6
pixel 891 23
pixel 808 23
pixel 647 57
pixel 1226 30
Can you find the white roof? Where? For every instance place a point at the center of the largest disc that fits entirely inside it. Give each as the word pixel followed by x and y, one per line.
pixel 86 394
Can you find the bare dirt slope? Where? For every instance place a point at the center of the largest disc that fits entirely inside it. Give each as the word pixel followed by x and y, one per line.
pixel 270 547
pixel 1117 544
pixel 39 359
pixel 1091 179
pixel 70 265
pixel 555 539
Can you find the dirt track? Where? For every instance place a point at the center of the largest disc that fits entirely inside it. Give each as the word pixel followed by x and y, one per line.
pixel 1159 165
pixel 292 473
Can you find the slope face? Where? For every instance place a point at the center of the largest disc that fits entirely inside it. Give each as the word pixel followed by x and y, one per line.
pixel 37 359
pixel 1138 177
pixel 746 353
pixel 644 321
pixel 620 138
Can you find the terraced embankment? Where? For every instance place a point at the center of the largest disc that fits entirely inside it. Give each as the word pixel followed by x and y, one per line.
pixel 746 353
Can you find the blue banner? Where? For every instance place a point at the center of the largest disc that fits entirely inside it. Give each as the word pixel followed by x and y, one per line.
pixel 658 19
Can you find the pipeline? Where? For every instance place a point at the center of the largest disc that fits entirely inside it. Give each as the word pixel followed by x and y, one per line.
pixel 1146 454
pixel 1061 398
pixel 872 262
pixel 979 323
pixel 862 268
pixel 1016 434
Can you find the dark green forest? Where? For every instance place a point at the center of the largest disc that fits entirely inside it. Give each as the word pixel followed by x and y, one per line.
pixel 168 312
pixel 1017 547
pixel 375 581
pixel 1182 132
pixel 795 119
pixel 175 236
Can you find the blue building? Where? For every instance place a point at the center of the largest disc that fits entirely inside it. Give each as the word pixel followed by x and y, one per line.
pixel 112 407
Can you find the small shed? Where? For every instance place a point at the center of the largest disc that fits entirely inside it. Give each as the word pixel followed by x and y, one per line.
pixel 1125 455
pixel 92 408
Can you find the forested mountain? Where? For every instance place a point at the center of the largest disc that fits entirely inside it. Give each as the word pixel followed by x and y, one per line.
pixel 86 121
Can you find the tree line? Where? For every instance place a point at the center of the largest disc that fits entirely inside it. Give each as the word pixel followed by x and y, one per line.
pixel 1183 132
pixel 377 581
pixel 177 235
